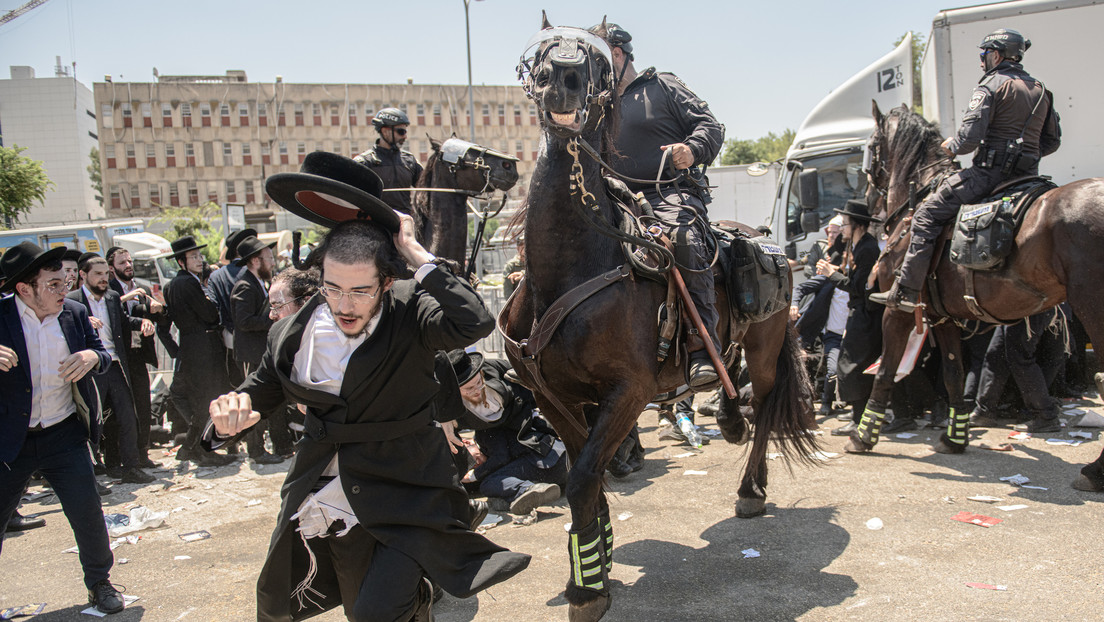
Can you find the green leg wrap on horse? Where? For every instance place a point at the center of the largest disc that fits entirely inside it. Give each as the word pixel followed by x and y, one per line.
pixel 870 426
pixel 588 557
pixel 607 538
pixel 958 427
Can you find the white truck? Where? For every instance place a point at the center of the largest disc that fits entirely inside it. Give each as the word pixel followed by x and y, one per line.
pixel 827 153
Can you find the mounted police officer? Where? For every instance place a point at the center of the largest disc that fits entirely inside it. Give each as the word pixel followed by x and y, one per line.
pixel 1011 122
pixel 660 114
pixel 396 167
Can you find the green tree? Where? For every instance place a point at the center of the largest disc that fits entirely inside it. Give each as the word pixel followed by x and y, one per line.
pixel 96 174
pixel 22 182
pixel 917 56
pixel 764 149
pixel 202 223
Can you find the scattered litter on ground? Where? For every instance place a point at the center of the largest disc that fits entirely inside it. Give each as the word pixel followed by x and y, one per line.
pixel 1091 419
pixel 686 455
pixel 179 509
pixel 1016 480
pixel 624 516
pixel 1079 434
pixel 24 610
pixel 253 502
pixel 874 524
pixel 998 447
pixel 949 499
pixel 71 549
pixel 490 520
pixel 750 553
pixel 122 560
pixel 1011 508
pixel 986 586
pixel 985 499
pixel 1019 436
pixel 711 433
pixel 205 472
pixel 92 611
pixel 823 456
pixel 976 519
pixel 139 518
pixel 1034 487
pixel 906 435
pixel 201 501
pixel 525 519
pixel 567 526
pixel 816 432
pixel 773 456
pixel 1063 441
pixel 693 472
pixel 182 557
pixel 192 536
pixel 117 542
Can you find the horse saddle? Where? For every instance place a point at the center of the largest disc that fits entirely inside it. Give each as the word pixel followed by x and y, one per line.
pixel 984 233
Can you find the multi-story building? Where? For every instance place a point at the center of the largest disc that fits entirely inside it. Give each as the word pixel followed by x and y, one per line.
pixel 55 119
pixel 187 140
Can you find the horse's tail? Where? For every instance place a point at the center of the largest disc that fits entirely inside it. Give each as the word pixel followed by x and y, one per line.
pixel 786 413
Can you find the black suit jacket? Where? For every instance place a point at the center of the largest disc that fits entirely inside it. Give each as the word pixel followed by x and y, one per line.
pixel 15 384
pixel 147 353
pixel 121 324
pixel 518 406
pixel 249 308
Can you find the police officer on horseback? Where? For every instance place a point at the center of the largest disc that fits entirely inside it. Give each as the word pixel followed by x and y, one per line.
pixel 662 120
pixel 396 167
pixel 1011 123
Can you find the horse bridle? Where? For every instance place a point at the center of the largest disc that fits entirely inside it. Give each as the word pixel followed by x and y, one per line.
pixel 566 49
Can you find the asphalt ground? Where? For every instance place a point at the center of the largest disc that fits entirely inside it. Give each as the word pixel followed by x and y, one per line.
pixel 678 545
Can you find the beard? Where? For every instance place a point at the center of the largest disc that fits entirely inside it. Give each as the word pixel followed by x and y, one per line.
pixel 264 273
pixel 99 289
pixel 126 275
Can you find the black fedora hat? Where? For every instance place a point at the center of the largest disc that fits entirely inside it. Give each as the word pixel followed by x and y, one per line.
pixel 250 246
pixel 234 239
pixel 330 189
pixel 857 209
pixel 24 258
pixel 183 245
pixel 465 364
pixel 71 254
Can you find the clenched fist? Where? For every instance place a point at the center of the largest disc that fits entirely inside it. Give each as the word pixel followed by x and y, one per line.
pixel 233 412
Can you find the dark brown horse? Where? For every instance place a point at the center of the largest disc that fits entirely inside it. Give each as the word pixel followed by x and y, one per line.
pixel 599 363
pixel 456 172
pixel 1058 255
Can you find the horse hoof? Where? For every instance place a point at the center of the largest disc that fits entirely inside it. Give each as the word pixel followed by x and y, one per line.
pixel 1086 484
pixel 857 446
pixel 750 508
pixel 943 447
pixel 590 611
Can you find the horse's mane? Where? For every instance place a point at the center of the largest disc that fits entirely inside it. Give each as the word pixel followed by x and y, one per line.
pixel 915 141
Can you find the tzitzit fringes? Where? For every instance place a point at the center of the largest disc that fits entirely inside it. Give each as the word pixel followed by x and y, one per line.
pixel 870 426
pixel 959 427
pixel 588 557
pixel 607 538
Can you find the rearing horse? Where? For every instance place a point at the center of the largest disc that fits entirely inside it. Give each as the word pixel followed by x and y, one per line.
pixel 1058 255
pixel 591 359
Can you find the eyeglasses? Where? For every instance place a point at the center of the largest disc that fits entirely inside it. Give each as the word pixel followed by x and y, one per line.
pixel 399 131
pixel 335 295
pixel 983 53
pixel 276 308
pixel 59 287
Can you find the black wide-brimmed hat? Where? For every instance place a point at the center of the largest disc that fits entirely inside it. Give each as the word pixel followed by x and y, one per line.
pixel 249 247
pixel 183 245
pixel 858 210
pixel 24 258
pixel 330 189
pixel 234 239
pixel 465 364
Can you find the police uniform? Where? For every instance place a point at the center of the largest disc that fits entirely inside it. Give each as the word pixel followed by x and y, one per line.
pixel 397 168
pixel 1007 104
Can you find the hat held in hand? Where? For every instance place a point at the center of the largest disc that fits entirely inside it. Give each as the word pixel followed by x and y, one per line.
pixel 330 189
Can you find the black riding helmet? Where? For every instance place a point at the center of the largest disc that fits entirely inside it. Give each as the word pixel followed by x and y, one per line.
pixel 616 37
pixel 389 117
pixel 1009 43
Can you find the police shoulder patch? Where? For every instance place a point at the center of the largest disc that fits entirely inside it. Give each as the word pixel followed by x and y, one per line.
pixel 976 100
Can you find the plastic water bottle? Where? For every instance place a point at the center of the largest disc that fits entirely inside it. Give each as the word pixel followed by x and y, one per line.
pixel 690 431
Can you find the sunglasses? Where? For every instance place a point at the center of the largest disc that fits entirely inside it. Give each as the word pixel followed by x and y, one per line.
pixel 399 131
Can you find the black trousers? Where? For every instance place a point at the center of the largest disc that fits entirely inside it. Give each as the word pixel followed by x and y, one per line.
pixel 1012 353
pixel 120 430
pixel 140 391
pixel 60 453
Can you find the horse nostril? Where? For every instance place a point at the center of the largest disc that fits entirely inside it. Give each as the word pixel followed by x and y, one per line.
pixel 571 81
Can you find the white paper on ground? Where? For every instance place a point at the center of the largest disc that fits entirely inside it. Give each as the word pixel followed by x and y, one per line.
pixel 1016 480
pixel 1010 508
pixel 750 553
pixel 693 472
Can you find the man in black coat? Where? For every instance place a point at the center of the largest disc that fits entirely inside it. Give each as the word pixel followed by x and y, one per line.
pixel 115 327
pixel 372 503
pixel 201 355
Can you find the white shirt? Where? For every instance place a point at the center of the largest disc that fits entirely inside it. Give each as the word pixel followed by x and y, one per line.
pixel 491 410
pixel 837 312
pixel 99 311
pixel 51 397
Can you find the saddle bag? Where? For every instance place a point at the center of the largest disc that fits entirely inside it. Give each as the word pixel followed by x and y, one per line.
pixel 758 278
pixel 984 234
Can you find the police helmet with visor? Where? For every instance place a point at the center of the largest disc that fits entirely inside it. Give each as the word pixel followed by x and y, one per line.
pixel 1009 43
pixel 390 117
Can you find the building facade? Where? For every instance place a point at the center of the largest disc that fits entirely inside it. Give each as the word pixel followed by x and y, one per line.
pixel 187 140
pixel 55 119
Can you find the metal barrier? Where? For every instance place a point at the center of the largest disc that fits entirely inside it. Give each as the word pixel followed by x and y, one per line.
pixel 492 345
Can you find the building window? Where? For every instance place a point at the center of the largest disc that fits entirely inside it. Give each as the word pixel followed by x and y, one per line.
pixel 147 115
pixel 116 198
pixel 186 114
pixel 109 155
pixel 266 153
pixel 107 115
pixel 212 192
pixel 231 192
pixel 166 115
pixel 135 200
pixel 227 154
pixel 352 115
pixel 421 114
pixel 189 154
pixel 501 114
pixel 335 114
pixel 298 114
pixel 170 155
pixel 224 113
pixel 262 114
pixel 281 118
pixel 193 194
pixel 127 114
pixel 301 150
pixel 151 155
pixel 486 114
pixel 155 195
pixel 369 112
pixel 247 154
pixel 436 114
pixel 249 196
pixel 518 147
pixel 243 115
pixel 205 114
pixel 517 114
pixel 316 112
pixel 132 161
pixel 532 114
pixel 354 149
pixel 283 153
pixel 174 195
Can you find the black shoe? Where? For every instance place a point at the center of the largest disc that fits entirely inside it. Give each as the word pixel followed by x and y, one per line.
pixel 702 371
pixel 146 463
pixel 115 472
pixel 134 475
pixel 102 490
pixel 479 511
pixel 423 603
pixel 18 522
pixel 979 419
pixel 846 429
pixel 534 497
pixel 618 468
pixel 105 598
pixel 1040 426
pixel 99 469
pixel 902 424
pixel 898 297
pixel 267 458
pixel 207 458
pixel 1082 482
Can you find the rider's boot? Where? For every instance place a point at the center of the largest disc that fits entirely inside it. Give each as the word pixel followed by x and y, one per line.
pixel 905 292
pixel 898 297
pixel 702 371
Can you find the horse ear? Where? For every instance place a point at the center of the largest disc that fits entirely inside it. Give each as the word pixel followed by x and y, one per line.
pixel 436 144
pixel 545 24
pixel 878 116
pixel 602 29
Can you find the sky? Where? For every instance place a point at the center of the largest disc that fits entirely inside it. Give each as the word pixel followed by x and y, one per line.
pixel 761 66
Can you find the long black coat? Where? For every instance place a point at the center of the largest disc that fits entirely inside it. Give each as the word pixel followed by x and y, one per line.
pixel 249 306
pixel 529 429
pixel 147 353
pixel 862 339
pixel 405 490
pixel 201 354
